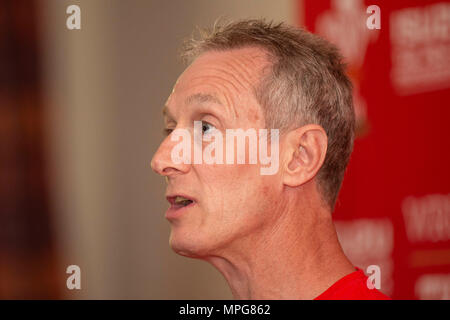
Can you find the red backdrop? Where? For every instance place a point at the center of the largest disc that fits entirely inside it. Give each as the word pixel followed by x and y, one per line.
pixel 394 207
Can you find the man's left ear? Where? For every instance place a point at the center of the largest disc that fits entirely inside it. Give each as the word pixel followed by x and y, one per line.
pixel 305 151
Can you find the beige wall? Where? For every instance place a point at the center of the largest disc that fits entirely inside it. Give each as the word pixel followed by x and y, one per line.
pixel 105 86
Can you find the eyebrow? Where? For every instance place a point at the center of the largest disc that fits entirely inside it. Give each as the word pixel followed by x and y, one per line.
pixel 195 98
pixel 202 98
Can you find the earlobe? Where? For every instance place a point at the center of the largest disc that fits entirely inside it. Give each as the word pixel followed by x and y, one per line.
pixel 306 149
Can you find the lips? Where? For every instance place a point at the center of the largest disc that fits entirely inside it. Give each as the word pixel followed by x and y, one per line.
pixel 179 203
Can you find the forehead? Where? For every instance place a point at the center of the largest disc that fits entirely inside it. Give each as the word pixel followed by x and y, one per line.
pixel 232 76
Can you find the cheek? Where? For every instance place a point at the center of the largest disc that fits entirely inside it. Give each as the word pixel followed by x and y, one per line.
pixel 227 179
pixel 244 191
pixel 237 200
pixel 228 190
pixel 233 192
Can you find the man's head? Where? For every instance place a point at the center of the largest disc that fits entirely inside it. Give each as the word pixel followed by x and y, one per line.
pixel 253 74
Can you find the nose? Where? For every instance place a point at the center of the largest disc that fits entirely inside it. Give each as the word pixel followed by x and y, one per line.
pixel 162 162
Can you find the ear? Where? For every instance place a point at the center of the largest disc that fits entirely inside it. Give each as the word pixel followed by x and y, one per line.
pixel 305 151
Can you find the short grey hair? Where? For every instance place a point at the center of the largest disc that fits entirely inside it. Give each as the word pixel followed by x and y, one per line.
pixel 307 85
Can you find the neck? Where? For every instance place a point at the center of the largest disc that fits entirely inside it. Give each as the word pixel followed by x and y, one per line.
pixel 298 257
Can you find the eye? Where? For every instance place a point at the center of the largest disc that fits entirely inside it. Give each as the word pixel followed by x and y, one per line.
pixel 167 131
pixel 207 127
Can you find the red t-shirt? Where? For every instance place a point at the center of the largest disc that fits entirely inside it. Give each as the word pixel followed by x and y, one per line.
pixel 352 287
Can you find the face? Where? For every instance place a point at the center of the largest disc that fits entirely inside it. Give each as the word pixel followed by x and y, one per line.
pixel 228 203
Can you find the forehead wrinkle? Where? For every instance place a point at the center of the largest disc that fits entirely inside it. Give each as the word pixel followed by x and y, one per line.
pixel 245 68
pixel 223 78
pixel 221 87
pixel 240 81
pixel 245 83
pixel 229 101
pixel 250 61
pixel 230 75
pixel 240 76
pixel 203 98
pixel 237 71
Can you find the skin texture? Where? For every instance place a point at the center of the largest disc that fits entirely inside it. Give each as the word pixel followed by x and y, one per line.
pixel 271 236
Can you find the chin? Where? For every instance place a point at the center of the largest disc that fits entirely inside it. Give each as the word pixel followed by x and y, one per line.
pixel 189 245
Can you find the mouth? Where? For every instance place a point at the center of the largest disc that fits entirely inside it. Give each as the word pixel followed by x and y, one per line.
pixel 178 204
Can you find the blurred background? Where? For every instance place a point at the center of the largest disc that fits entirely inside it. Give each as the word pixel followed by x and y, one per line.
pixel 80 118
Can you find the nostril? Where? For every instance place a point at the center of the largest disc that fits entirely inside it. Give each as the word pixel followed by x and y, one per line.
pixel 168 171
